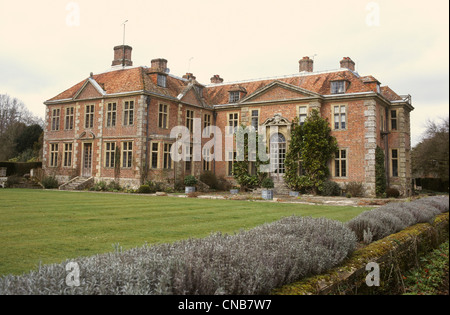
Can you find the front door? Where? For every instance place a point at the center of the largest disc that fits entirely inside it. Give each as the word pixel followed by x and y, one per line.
pixel 87 160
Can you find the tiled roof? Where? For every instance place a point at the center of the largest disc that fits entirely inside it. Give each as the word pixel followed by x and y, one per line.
pixel 134 79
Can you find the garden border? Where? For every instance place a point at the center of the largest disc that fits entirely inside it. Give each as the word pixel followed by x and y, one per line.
pixel 394 254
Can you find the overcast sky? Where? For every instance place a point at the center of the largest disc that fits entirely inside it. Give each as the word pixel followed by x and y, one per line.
pixel 49 45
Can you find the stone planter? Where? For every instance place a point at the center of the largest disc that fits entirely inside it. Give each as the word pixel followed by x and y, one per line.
pixel 234 191
pixel 267 194
pixel 294 193
pixel 189 189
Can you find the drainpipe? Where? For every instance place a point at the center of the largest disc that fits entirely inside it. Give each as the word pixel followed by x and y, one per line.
pixel 214 161
pixel 386 148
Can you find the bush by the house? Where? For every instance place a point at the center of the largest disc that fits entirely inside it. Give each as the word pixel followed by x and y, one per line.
pixel 355 189
pixel 210 179
pixel 250 262
pixel 392 192
pixel 267 183
pixel 144 189
pixel 50 182
pixel 393 217
pixel 331 188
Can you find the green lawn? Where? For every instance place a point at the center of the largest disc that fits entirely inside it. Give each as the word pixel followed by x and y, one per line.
pixel 51 226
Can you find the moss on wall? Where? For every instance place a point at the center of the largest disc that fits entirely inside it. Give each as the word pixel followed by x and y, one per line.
pixel 394 254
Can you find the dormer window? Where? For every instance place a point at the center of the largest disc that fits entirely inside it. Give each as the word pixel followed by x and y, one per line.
pixel 234 96
pixel 162 80
pixel 338 87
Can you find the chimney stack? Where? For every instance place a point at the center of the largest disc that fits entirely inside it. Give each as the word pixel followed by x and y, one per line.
pixel 189 76
pixel 346 62
pixel 216 79
pixel 306 64
pixel 159 65
pixel 122 56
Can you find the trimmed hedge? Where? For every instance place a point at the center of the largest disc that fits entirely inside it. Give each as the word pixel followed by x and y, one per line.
pixel 249 262
pixel 19 169
pixel 393 217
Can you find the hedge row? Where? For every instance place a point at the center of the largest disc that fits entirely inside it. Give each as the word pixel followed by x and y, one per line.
pixel 249 262
pixel 393 217
pixel 20 169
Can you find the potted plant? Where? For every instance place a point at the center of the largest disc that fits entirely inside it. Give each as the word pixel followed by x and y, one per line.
pixel 267 185
pixel 190 182
pixel 234 190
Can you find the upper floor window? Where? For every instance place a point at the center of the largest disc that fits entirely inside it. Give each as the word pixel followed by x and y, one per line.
pixel 234 96
pixel 111 115
pixel 255 119
pixel 207 123
pixel 302 114
pixel 163 116
pixel 162 80
pixel 89 116
pixel 128 113
pixel 55 119
pixel 339 117
pixel 394 119
pixel 190 120
pixel 338 87
pixel 233 121
pixel 69 118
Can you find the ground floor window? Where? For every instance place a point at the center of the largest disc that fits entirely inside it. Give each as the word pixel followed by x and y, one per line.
pixel 53 155
pixel 110 150
pixel 67 154
pixel 340 163
pixel 127 154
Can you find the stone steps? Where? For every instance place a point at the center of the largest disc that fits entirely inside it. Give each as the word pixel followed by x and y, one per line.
pixel 77 183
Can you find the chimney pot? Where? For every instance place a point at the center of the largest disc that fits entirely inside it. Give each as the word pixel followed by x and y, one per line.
pixel 306 64
pixel 189 76
pixel 122 56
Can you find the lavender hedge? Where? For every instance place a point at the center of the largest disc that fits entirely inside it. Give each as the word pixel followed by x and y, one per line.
pixel 249 262
pixel 393 217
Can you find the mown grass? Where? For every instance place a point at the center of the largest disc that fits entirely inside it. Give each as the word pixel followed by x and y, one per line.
pixel 42 226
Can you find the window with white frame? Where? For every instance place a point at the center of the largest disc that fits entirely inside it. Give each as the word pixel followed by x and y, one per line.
pixel 233 121
pixel 162 80
pixel 338 87
pixel 340 117
pixel 190 120
pixel 255 119
pixel 234 96
pixel 302 114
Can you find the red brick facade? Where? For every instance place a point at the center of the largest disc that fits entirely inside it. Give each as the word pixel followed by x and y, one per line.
pixel 117 124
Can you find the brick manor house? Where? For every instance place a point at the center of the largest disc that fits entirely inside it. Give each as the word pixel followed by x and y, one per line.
pixel 116 125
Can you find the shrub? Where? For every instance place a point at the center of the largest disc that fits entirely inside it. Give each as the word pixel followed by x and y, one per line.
pixel 392 192
pixel 144 189
pixel 249 262
pixel 331 188
pixel 190 181
pixel 50 182
pixel 210 179
pixel 13 180
pixel 267 183
pixel 355 189
pixel 223 184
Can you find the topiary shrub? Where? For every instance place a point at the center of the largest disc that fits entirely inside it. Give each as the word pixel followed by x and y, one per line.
pixel 190 181
pixel 267 183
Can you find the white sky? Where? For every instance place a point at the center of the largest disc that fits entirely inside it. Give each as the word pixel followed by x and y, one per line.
pixel 45 51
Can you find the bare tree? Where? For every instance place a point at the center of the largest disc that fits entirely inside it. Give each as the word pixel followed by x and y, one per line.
pixel 430 158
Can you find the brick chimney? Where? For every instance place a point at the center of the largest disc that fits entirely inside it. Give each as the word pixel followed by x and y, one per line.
pixel 189 76
pixel 159 65
pixel 216 79
pixel 122 56
pixel 306 64
pixel 346 62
